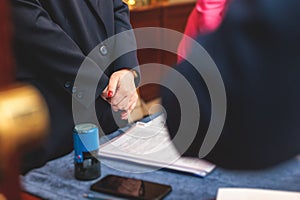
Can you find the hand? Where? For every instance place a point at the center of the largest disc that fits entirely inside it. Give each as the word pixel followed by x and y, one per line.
pixel 121 92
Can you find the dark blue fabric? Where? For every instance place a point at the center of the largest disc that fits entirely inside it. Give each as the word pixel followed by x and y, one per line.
pixel 256 50
pixel 56 179
pixel 52 39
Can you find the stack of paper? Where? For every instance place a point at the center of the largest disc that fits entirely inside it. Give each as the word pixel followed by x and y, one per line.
pixel 150 144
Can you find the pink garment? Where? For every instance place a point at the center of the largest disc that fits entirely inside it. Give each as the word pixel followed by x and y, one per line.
pixel 205 18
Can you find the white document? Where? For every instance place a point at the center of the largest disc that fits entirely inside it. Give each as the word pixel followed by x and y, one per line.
pixel 255 194
pixel 150 144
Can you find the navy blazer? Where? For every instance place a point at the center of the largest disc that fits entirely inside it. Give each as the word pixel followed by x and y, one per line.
pixel 52 39
pixel 256 50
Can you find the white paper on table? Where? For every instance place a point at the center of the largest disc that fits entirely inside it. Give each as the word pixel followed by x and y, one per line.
pixel 255 194
pixel 150 144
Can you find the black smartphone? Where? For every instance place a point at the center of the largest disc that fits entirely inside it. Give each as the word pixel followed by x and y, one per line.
pixel 131 188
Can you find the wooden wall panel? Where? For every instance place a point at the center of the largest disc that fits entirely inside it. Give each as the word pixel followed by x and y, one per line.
pixel 6 59
pixel 168 15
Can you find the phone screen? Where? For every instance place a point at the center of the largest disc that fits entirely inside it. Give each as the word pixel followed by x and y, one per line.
pixel 130 187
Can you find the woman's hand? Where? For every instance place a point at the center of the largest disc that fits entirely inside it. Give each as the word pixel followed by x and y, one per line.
pixel 121 92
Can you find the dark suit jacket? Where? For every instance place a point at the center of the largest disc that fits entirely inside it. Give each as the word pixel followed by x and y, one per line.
pixel 256 50
pixel 52 39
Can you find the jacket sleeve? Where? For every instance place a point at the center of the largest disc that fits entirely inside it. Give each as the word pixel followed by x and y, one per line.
pixel 122 23
pixel 47 50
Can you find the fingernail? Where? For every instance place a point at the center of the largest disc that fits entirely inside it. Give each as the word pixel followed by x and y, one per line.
pixel 110 94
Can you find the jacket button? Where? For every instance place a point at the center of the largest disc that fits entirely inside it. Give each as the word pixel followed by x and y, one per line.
pixel 74 90
pixel 67 84
pixel 103 50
